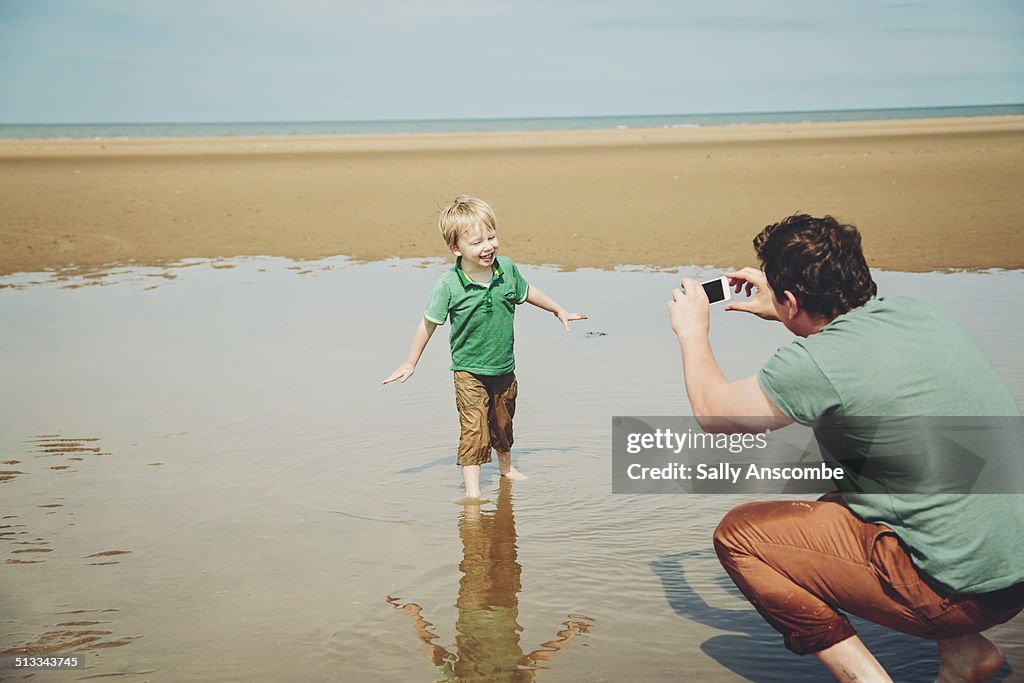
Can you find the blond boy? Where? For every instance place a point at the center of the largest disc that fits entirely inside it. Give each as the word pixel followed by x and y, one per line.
pixel 479 295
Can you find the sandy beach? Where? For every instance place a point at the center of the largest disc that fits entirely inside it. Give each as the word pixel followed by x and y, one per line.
pixel 927 194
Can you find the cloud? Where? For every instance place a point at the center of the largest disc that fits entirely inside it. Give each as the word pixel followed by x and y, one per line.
pixel 745 24
pixel 937 31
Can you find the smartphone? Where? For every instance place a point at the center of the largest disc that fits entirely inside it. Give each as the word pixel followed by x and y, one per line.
pixel 717 289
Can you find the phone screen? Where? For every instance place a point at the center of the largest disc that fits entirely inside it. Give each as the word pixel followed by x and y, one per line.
pixel 715 290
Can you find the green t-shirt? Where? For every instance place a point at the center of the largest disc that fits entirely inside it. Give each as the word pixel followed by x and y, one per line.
pixel 482 315
pixel 897 356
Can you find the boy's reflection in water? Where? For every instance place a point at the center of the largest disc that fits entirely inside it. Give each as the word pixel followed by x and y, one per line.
pixel 487 629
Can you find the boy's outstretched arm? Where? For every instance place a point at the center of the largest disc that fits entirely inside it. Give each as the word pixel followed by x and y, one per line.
pixel 541 300
pixel 419 342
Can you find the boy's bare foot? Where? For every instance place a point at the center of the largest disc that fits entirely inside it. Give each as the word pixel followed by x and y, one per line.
pixel 506 469
pixel 471 478
pixel 968 659
pixel 475 501
pixel 514 474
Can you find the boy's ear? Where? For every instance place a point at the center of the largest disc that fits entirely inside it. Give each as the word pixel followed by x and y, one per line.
pixel 455 249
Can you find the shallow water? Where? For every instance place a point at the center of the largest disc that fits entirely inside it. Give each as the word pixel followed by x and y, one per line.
pixel 204 480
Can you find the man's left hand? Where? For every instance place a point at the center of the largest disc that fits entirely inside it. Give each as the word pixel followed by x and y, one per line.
pixel 688 310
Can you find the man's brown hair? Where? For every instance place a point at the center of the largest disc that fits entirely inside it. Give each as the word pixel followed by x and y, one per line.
pixel 819 260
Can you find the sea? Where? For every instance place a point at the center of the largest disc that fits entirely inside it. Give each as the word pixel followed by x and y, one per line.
pixel 399 127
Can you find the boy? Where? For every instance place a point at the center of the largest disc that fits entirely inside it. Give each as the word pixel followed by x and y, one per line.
pixel 479 294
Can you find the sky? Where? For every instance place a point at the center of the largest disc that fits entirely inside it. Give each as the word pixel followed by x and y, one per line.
pixel 92 61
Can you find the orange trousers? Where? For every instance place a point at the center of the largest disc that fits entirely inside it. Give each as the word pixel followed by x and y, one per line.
pixel 802 563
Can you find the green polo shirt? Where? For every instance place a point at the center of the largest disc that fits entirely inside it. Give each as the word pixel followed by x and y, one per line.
pixel 898 356
pixel 482 315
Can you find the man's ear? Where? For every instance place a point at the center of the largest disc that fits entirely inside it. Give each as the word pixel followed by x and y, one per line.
pixel 793 307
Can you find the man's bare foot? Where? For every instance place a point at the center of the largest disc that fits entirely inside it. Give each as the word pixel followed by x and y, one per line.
pixel 969 659
pixel 514 474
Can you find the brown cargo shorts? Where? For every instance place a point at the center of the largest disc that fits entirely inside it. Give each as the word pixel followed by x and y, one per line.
pixel 486 406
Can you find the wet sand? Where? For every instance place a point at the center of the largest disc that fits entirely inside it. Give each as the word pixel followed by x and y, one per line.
pixel 928 194
pixel 203 480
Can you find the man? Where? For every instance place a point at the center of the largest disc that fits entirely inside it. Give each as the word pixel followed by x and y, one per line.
pixel 937 565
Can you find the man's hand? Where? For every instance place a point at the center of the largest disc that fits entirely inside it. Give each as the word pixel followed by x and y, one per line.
pixel 403 373
pixel 761 295
pixel 688 310
pixel 565 317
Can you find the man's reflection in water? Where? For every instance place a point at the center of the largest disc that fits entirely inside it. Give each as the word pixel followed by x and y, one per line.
pixel 487 629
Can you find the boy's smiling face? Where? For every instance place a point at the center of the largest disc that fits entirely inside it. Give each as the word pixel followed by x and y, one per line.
pixel 478 248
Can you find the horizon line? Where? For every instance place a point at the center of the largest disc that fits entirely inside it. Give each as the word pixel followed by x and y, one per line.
pixel 512 118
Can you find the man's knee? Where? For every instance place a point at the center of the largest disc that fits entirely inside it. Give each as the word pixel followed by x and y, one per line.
pixel 748 525
pixel 733 532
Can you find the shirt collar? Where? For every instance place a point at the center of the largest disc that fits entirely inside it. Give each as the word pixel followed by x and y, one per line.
pixel 496 272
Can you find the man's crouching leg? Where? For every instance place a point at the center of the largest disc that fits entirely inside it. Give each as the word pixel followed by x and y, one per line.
pixel 793 560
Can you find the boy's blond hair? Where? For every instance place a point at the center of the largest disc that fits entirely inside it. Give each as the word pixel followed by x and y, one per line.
pixel 464 214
